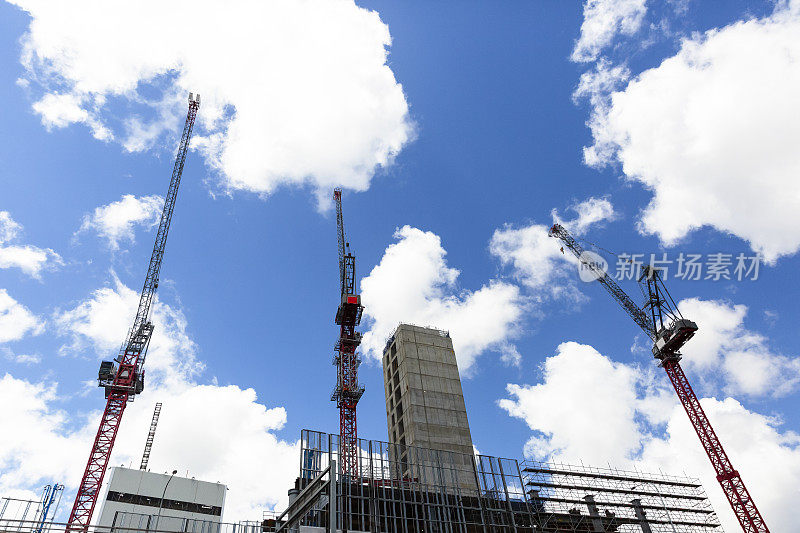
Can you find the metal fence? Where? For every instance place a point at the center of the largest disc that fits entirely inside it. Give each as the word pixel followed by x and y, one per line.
pixel 135 523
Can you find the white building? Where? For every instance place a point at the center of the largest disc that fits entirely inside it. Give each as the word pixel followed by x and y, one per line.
pixel 136 498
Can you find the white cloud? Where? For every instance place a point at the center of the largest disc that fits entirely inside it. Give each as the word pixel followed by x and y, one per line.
pixel 413 284
pixel 22 359
pixel 9 228
pixel 602 20
pixel 115 222
pixel 725 348
pixel 42 447
pixel 102 320
pixel 535 258
pixel 711 133
pixel 196 431
pixel 61 110
pixel 571 434
pixel 767 459
pixel 589 212
pixel 538 260
pixel 591 409
pixel 296 93
pixel 30 259
pixel 16 320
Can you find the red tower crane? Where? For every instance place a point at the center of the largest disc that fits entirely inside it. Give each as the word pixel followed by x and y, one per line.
pixel 660 319
pixel 124 380
pixel 347 391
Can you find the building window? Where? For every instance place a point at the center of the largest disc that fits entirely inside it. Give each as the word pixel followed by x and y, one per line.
pixel 152 501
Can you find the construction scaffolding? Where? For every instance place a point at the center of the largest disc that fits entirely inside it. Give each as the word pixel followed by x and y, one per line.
pixel 665 503
pixel 407 489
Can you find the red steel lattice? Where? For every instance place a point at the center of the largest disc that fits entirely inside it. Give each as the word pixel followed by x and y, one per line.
pixel 732 485
pixel 347 391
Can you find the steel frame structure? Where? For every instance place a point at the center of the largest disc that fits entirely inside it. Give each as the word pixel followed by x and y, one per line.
pixel 128 379
pixel 620 498
pixel 348 391
pixel 663 315
pixel 426 491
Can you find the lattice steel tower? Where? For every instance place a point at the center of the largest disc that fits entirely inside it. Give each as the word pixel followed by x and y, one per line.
pixel 151 435
pixel 124 380
pixel 660 319
pixel 348 391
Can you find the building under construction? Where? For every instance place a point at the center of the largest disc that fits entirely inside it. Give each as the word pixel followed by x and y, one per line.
pixel 428 479
pixel 427 493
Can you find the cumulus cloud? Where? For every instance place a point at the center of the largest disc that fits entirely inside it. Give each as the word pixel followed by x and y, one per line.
pixel 294 93
pixel 101 321
pixel 42 447
pixel 195 433
pixel 115 222
pixel 30 259
pixel 725 348
pixel 413 284
pixel 589 408
pixel 602 21
pixel 61 110
pixel 571 434
pixel 9 228
pixel 711 132
pixel 590 212
pixel 16 321
pixel 538 260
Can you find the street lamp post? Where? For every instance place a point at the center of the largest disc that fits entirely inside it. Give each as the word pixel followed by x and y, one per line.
pixel 663 502
pixel 161 502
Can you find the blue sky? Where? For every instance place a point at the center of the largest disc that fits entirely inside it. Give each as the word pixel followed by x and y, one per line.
pixel 454 150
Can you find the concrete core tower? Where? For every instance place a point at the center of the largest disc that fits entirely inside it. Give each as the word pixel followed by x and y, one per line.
pixel 424 402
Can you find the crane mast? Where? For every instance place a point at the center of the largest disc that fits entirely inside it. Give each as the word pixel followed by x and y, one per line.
pixel 661 320
pixel 348 391
pixel 126 379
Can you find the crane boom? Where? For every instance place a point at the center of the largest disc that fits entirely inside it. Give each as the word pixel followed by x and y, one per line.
pixel 123 382
pixel 628 305
pixel 154 267
pixel 347 265
pixel 670 331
